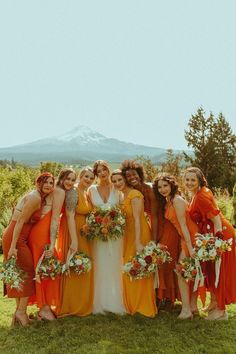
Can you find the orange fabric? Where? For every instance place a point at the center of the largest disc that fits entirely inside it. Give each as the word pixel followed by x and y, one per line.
pixel 47 291
pixel 170 215
pixel 139 295
pixel 168 284
pixel 202 207
pixel 76 292
pixel 24 259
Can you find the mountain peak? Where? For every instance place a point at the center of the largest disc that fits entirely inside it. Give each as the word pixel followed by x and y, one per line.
pixel 81 132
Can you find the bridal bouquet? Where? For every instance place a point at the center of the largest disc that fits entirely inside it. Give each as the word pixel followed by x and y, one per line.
pixel 187 269
pixel 104 224
pixel 11 274
pixel 147 261
pixel 48 268
pixel 210 248
pixel 80 262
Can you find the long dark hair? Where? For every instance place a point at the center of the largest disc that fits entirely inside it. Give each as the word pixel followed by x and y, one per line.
pixel 173 184
pixel 63 175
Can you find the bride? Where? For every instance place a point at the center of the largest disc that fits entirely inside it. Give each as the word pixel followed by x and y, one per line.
pixel 108 295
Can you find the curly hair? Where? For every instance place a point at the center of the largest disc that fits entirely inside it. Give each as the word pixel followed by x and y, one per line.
pixel 64 173
pixel 199 174
pixel 100 163
pixel 173 184
pixel 128 165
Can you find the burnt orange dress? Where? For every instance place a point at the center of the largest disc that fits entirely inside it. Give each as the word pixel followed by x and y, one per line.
pixel 24 255
pixel 170 214
pixel 168 236
pixel 76 292
pixel 47 291
pixel 139 295
pixel 202 208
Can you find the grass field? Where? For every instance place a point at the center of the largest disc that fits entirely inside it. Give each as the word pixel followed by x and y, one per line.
pixel 117 334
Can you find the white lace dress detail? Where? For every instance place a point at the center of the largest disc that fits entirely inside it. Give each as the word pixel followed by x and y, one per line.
pixel 108 295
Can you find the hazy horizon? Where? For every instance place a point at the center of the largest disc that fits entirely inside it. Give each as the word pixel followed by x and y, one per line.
pixel 131 70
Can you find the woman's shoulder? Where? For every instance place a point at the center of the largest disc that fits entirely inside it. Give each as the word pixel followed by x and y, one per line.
pixel 204 193
pixel 134 193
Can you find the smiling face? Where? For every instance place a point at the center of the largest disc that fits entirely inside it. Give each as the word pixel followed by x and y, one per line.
pixel 69 181
pixel 103 172
pixel 132 178
pixel 118 182
pixel 86 179
pixel 48 186
pixel 164 188
pixel 191 182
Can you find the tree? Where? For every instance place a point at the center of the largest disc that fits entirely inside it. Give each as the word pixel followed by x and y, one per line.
pixel 214 148
pixel 172 163
pixel 51 166
pixel 150 169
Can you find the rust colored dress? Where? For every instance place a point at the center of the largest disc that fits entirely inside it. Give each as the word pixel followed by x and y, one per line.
pixel 24 255
pixel 139 295
pixel 168 236
pixel 170 214
pixel 202 208
pixel 47 291
pixel 76 292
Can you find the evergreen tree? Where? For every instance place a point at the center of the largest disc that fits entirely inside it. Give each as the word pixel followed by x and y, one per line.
pixel 213 144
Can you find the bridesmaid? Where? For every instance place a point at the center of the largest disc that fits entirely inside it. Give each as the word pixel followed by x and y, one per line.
pixel 176 211
pixel 27 212
pixel 76 292
pixel 162 231
pixel 139 295
pixel 45 232
pixel 204 211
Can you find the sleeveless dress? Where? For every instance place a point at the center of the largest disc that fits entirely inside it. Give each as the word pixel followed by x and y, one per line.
pixel 170 214
pixel 76 292
pixel 168 236
pixel 24 255
pixel 139 295
pixel 107 258
pixel 47 291
pixel 202 208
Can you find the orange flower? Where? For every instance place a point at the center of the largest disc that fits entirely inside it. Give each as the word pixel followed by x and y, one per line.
pixel 104 230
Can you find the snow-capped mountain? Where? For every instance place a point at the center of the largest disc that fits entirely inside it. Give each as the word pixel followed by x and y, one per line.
pixel 78 144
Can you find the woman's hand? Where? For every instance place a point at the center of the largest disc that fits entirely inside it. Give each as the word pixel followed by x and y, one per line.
pixel 49 253
pixel 74 246
pixel 12 253
pixel 139 247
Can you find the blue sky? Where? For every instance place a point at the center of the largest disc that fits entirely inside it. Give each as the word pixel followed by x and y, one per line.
pixel 130 69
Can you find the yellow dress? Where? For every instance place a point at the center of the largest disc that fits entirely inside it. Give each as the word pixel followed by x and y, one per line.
pixel 77 291
pixel 139 295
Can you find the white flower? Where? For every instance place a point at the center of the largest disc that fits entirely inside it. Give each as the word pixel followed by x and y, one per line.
pixel 218 243
pixel 212 253
pixel 198 243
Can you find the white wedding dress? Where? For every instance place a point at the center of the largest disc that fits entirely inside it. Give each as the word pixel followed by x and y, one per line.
pixel 107 264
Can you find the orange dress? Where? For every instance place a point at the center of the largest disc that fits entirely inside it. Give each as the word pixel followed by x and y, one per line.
pixel 202 208
pixel 170 214
pixel 139 295
pixel 76 292
pixel 24 256
pixel 47 291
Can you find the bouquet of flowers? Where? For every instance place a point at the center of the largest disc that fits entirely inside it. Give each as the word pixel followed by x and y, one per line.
pixel 11 274
pixel 104 224
pixel 80 262
pixel 187 269
pixel 48 268
pixel 210 248
pixel 147 261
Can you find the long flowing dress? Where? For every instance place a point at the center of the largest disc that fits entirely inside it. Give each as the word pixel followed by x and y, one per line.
pixel 139 295
pixel 107 264
pixel 47 291
pixel 76 292
pixel 202 208
pixel 170 215
pixel 24 255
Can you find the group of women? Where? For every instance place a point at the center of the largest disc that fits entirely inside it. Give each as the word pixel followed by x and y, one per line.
pixel 158 211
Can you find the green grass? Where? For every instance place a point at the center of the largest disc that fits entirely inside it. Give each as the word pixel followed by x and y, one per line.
pixel 117 334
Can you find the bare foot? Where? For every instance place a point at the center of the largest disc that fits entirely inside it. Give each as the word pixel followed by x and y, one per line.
pixel 217 315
